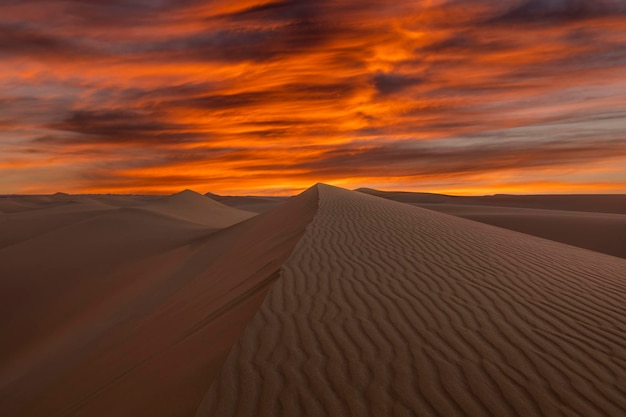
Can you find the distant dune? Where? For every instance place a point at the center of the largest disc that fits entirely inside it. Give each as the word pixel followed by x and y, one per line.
pixel 595 203
pixel 332 302
pixel 131 312
pixel 191 206
pixel 255 204
pixel 594 222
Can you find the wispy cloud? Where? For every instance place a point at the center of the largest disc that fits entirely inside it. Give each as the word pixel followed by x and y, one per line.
pixel 255 96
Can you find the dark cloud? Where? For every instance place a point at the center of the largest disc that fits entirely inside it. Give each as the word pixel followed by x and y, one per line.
pixel 248 44
pixel 463 41
pixel 531 11
pixel 223 101
pixel 390 83
pixel 117 127
pixel 286 93
pixel 104 179
pixel 108 13
pixel 160 93
pixel 20 40
pixel 282 10
pixel 428 159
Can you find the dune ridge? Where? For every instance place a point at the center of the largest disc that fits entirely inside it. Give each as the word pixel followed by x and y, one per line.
pixel 256 204
pixel 144 332
pixel 29 217
pixel 387 309
pixel 595 203
pixel 600 232
pixel 594 222
pixel 193 207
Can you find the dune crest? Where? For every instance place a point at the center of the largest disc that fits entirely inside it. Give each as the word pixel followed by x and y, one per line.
pixel 384 309
pixel 196 208
pixel 133 316
pixel 594 203
pixel 334 303
pixel 594 222
pixel 256 204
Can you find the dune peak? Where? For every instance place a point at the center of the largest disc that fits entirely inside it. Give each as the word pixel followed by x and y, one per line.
pixel 384 306
pixel 187 191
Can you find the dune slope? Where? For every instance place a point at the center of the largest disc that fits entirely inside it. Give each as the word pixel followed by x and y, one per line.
pixel 193 207
pixel 254 204
pixel 384 309
pixel 594 203
pixel 594 222
pixel 19 226
pixel 138 329
pixel 601 232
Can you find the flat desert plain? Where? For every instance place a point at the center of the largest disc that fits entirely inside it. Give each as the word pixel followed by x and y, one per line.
pixel 329 303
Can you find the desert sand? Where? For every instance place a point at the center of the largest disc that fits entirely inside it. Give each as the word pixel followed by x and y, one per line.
pixel 255 204
pixel 594 222
pixel 130 312
pixel 595 203
pixel 333 303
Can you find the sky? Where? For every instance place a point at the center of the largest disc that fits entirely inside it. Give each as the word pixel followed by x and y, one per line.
pixel 270 97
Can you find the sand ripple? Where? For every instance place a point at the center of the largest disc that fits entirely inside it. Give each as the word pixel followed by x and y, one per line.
pixel 389 310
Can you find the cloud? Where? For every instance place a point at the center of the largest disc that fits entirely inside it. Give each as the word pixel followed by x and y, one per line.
pixel 117 127
pixel 389 83
pixel 260 92
pixel 22 41
pixel 532 11
pixel 436 160
pixel 282 10
pixel 247 44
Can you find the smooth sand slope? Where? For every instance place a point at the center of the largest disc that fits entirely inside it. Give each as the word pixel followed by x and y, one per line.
pixel 256 204
pixel 384 309
pixel 594 222
pixel 131 312
pixel 20 225
pixel 26 217
pixel 595 203
pixel 601 232
pixel 191 206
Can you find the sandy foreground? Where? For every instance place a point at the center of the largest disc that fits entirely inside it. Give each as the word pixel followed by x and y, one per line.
pixel 333 303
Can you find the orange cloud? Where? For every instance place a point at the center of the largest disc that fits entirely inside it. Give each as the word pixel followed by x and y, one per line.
pixel 272 96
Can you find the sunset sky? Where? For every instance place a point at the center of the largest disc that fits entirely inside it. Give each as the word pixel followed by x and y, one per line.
pixel 269 97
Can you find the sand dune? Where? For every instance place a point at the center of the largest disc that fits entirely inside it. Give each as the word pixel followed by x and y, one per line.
pixel 600 226
pixel 123 200
pixel 52 276
pixel 13 204
pixel 20 225
pixel 191 206
pixel 29 216
pixel 411 197
pixel 333 303
pixel 255 204
pixel 132 318
pixel 601 232
pixel 387 309
pixel 595 203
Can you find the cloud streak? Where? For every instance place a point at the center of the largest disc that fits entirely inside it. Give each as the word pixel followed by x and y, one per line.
pixel 256 96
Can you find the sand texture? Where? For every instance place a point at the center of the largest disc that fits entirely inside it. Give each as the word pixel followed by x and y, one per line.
pixel 256 204
pixel 595 203
pixel 594 222
pixel 384 309
pixel 601 232
pixel 130 313
pixel 193 207
pixel 331 303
